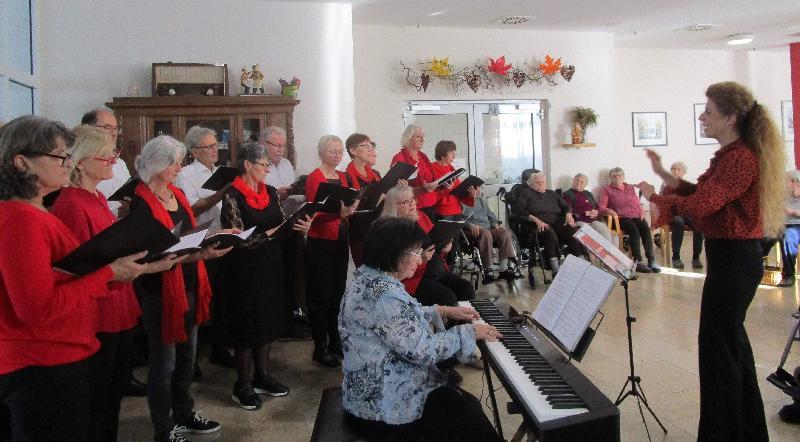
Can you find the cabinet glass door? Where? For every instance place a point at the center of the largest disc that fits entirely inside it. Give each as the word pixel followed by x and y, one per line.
pixel 222 126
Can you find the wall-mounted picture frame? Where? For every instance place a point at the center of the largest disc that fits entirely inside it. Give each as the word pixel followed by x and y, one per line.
pixel 699 133
pixel 787 120
pixel 649 128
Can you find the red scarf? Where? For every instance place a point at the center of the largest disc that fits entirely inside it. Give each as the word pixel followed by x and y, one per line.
pixel 355 175
pixel 257 200
pixel 173 291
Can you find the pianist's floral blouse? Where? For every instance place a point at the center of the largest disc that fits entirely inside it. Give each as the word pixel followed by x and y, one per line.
pixel 391 345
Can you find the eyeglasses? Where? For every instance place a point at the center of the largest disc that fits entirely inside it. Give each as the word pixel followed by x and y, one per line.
pixel 64 158
pixel 210 146
pixel 408 202
pixel 368 145
pixel 276 145
pixel 110 128
pixel 108 161
pixel 264 165
pixel 417 253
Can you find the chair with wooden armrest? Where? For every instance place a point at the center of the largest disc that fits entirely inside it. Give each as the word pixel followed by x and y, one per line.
pixel 612 221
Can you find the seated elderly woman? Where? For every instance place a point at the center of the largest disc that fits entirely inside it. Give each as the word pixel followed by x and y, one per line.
pixel 551 215
pixel 678 223
pixel 622 199
pixel 583 206
pixel 392 387
pixel 791 236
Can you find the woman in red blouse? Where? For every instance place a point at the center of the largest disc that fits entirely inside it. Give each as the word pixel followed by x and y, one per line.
pixel 734 204
pixel 47 318
pixel 360 174
pixel 412 140
pixel 84 210
pixel 448 206
pixel 326 256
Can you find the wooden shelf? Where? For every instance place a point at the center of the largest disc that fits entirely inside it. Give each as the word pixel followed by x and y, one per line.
pixel 580 145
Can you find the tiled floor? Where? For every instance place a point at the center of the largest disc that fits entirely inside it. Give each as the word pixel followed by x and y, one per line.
pixel 666 307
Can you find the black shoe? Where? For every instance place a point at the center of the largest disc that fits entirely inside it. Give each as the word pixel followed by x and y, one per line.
pixel 198 374
pixel 642 267
pixel 488 277
pixel 697 264
pixel 325 358
pixel 654 268
pixel 222 358
pixel 454 378
pixel 135 388
pixel 786 282
pixel 246 397
pixel 269 385
pixel 790 413
pixel 626 243
pixel 508 275
pixel 197 424
pixel 657 239
pixel 677 263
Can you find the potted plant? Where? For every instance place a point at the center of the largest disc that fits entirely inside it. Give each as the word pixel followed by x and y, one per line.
pixel 585 117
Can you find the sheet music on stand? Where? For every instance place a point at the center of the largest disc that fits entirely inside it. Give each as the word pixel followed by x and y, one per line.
pixel 606 252
pixel 572 301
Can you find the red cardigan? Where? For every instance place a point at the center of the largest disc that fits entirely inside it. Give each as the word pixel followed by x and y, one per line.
pixel 424 175
pixel 448 204
pixel 46 317
pixel 86 215
pixel 324 225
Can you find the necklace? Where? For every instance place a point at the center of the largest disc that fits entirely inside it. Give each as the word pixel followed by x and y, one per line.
pixel 168 200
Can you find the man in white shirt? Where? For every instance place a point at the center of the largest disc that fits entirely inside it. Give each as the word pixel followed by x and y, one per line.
pixel 207 204
pixel 104 118
pixel 281 175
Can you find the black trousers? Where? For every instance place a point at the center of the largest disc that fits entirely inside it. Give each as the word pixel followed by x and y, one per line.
pixel 559 233
pixel 446 290
pixel 639 233
pixel 450 414
pixel 730 401
pixel 327 262
pixel 48 403
pixel 677 225
pixel 109 372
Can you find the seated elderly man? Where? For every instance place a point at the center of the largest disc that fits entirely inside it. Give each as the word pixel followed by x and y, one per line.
pixel 483 225
pixel 551 215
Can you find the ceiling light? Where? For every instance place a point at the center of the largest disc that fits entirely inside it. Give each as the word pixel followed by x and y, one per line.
pixel 740 39
pixel 514 19
pixel 434 14
pixel 699 27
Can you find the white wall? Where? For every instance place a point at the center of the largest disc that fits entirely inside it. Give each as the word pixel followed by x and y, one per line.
pixel 93 51
pixel 613 81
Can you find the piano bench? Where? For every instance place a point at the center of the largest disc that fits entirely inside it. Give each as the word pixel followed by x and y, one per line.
pixel 331 424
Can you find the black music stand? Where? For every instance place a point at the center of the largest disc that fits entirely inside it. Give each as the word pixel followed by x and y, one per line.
pixel 634 380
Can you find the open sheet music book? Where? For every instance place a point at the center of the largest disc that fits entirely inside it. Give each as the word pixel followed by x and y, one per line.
pixel 572 301
pixel 611 256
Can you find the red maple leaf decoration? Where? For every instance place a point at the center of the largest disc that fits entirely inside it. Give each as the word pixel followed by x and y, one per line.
pixel 550 67
pixel 499 66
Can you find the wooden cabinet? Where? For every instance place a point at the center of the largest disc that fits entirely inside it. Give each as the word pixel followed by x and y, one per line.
pixel 235 119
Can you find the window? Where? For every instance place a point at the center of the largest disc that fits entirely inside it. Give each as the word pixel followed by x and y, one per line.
pixel 19 79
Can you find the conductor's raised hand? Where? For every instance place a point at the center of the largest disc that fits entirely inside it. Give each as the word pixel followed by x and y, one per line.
pixel 646 188
pixel 655 161
pixel 346 211
pixel 126 268
pixel 486 332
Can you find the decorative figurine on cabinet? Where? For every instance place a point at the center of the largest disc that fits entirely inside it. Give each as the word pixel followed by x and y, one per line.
pixel 289 89
pixel 245 81
pixel 257 80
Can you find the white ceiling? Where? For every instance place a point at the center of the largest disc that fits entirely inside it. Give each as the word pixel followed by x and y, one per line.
pixel 634 23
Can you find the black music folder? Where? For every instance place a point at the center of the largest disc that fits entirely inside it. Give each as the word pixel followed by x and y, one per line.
pixel 286 227
pixel 444 231
pixel 134 233
pixel 125 191
pixel 220 178
pixel 462 189
pixel 371 195
pixel 332 194
pixel 444 179
pixel 298 187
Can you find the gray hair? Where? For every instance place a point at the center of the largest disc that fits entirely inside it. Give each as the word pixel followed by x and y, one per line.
pixel 158 154
pixel 580 175
pixel 250 152
pixel 325 140
pixel 793 176
pixel 534 176
pixel 195 134
pixel 680 165
pixel 408 134
pixel 266 133
pixel 393 198
pixel 615 170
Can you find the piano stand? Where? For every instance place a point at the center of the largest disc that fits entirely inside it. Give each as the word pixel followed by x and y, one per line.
pixel 635 381
pixel 495 411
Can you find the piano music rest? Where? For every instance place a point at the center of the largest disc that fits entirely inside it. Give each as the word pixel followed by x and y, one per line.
pixel 331 424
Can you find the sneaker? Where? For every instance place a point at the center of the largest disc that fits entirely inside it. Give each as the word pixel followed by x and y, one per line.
pixel 697 264
pixel 246 397
pixel 642 267
pixel 654 268
pixel 269 385
pixel 677 263
pixel 790 413
pixel 197 424
pixel 175 436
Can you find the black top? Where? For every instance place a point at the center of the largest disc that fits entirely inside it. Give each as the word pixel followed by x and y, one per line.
pixel 547 205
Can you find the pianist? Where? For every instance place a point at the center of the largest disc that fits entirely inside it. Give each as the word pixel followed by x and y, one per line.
pixel 392 388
